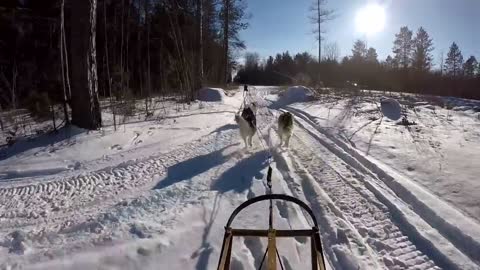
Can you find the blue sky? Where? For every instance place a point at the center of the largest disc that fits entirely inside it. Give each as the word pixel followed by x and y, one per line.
pixel 281 25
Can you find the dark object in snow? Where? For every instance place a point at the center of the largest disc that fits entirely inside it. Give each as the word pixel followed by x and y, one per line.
pixel 143 251
pixel 17 243
pixel 135 230
pixel 10 141
pixel 391 108
pixel 245 88
pixel 406 122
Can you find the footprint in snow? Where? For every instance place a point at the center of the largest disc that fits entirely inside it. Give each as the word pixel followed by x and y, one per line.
pixel 116 147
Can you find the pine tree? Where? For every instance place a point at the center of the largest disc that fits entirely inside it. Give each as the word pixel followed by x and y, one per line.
pixel 371 56
pixel 454 61
pixel 359 51
pixel 389 62
pixel 422 49
pixel 469 67
pixel 402 47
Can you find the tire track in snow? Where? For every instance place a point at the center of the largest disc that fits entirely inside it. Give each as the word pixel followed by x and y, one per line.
pixel 44 200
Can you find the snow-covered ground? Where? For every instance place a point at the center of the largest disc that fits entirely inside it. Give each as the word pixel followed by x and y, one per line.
pixel 441 152
pixel 156 194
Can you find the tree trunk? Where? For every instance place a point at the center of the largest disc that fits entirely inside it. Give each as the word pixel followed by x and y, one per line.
pixel 14 70
pixel 225 39
pixel 198 61
pixel 319 18
pixel 62 60
pixel 84 101
pixel 149 79
pixel 109 79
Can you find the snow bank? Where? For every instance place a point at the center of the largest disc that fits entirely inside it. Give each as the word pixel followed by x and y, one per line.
pixel 211 94
pixel 297 94
pixel 292 95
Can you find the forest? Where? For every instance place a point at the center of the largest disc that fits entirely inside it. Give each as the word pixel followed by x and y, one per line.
pixel 73 52
pixel 409 69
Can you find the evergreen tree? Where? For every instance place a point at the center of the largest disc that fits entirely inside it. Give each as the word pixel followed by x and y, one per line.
pixel 389 62
pixel 402 47
pixel 454 61
pixel 359 51
pixel 469 67
pixel 422 49
pixel 371 56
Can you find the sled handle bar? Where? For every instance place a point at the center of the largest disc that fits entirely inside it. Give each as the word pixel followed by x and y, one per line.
pixel 267 197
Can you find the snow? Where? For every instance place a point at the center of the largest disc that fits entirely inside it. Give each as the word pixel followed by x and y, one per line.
pixel 157 192
pixel 294 94
pixel 390 108
pixel 211 94
pixel 439 152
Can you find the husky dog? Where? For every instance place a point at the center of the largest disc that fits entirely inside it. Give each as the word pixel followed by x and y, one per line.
pixel 248 124
pixel 285 127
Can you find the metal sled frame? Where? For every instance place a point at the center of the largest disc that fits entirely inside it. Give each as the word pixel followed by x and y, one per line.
pixel 271 253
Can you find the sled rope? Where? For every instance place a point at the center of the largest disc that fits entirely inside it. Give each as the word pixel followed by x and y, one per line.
pixel 271 249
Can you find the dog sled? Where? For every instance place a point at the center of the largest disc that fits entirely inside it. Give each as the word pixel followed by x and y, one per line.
pixel 271 254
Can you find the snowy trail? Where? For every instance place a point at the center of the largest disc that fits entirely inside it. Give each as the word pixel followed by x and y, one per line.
pixel 45 202
pixel 369 208
pixel 362 213
pixel 169 208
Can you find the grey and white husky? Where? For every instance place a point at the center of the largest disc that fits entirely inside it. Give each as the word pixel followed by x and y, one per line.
pixel 285 127
pixel 247 123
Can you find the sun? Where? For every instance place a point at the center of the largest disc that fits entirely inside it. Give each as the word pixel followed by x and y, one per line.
pixel 370 19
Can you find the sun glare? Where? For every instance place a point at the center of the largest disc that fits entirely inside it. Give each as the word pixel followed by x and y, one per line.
pixel 370 19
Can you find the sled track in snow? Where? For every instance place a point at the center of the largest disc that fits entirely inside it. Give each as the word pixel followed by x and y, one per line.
pixel 368 209
pixel 359 207
pixel 377 225
pixel 107 186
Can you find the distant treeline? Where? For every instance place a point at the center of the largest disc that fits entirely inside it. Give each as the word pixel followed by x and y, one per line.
pixel 409 70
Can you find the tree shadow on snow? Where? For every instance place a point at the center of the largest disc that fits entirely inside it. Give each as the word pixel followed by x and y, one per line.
pixel 206 250
pixel 225 128
pixel 189 168
pixel 40 141
pixel 239 177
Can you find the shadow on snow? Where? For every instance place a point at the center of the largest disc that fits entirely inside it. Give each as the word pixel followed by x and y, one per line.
pixel 239 177
pixel 26 144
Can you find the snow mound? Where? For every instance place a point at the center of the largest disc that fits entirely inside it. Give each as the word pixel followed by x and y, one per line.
pixel 391 108
pixel 297 94
pixel 292 95
pixel 211 94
